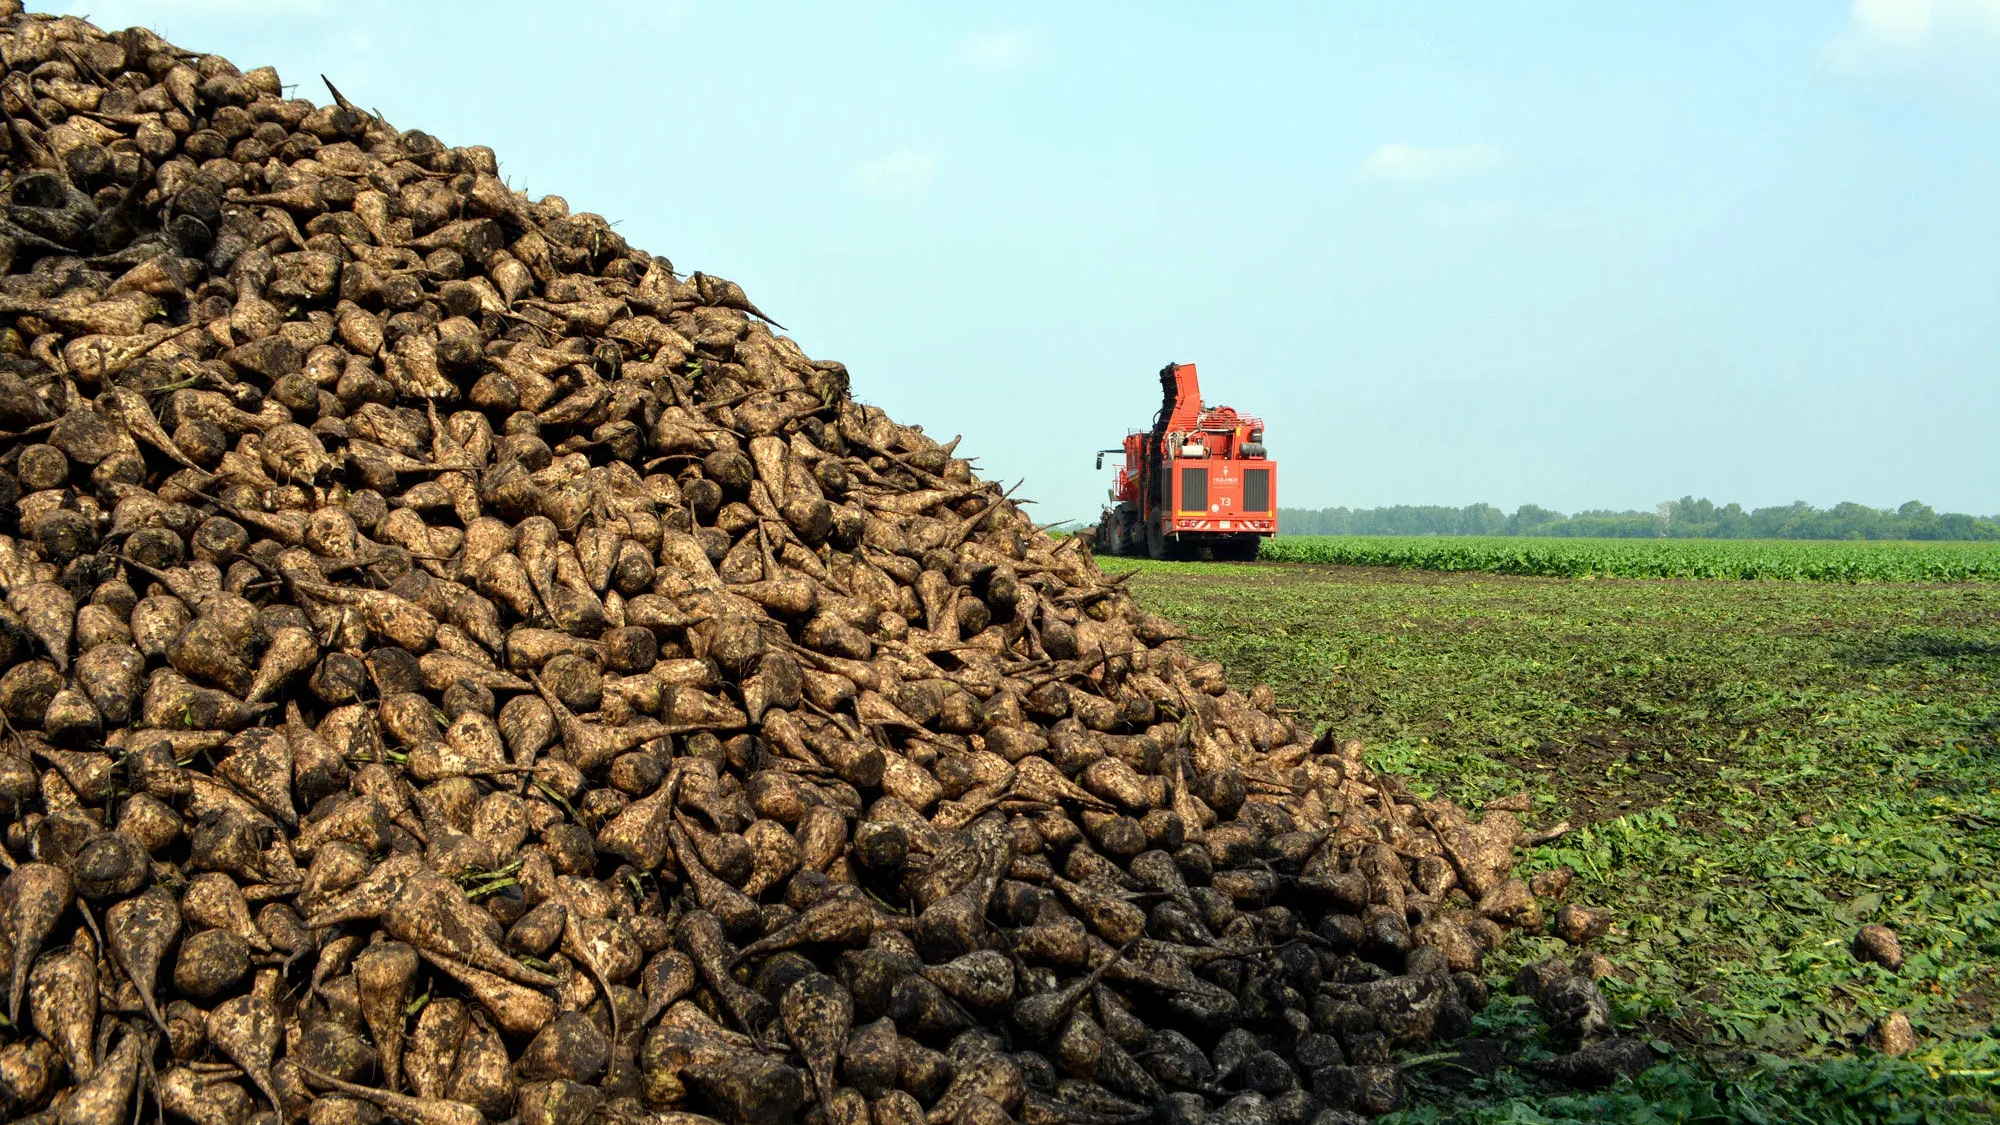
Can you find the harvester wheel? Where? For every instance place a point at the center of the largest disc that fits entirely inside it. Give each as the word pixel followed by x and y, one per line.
pixel 1156 542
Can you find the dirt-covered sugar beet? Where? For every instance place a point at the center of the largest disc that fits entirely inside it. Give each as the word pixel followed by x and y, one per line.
pixel 460 668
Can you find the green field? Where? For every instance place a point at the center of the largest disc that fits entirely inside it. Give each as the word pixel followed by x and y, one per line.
pixel 1752 770
pixel 1790 559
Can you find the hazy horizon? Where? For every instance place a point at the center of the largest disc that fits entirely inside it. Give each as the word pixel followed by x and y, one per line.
pixel 1626 510
pixel 1597 259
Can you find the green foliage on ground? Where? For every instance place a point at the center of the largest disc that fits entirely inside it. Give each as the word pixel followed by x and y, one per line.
pixel 1751 770
pixel 1791 560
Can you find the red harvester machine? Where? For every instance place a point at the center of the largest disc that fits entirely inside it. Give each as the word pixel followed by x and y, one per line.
pixel 1197 480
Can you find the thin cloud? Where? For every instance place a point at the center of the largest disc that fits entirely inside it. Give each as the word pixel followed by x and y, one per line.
pixel 1956 42
pixel 903 172
pixel 994 50
pixel 1916 24
pixel 1409 162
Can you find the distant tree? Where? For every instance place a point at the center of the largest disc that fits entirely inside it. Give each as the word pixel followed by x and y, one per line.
pixel 1958 525
pixel 1528 517
pixel 1690 517
pixel 1484 519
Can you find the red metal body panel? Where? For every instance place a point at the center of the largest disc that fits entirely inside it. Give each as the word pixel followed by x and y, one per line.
pixel 1130 475
pixel 1225 508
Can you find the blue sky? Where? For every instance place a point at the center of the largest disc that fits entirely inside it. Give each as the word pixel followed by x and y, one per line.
pixel 1581 255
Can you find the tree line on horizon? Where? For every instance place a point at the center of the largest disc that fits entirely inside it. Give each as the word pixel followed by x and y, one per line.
pixel 1686 518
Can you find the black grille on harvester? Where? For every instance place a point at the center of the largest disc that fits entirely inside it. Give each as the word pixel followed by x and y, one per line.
pixel 1256 490
pixel 1194 490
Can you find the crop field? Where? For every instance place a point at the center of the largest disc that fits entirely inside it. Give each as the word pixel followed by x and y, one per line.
pixel 1750 771
pixel 1788 559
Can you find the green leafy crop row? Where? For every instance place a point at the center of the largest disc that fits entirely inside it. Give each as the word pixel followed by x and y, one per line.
pixel 1791 560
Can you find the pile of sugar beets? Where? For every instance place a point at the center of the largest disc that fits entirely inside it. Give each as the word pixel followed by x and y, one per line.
pixel 457 669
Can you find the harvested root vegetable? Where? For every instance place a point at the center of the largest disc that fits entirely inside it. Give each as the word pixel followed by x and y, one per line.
pixel 1580 925
pixel 1603 1062
pixel 62 1005
pixel 247 1029
pixel 103 1097
pixel 1881 945
pixel 36 895
pixel 211 962
pixel 383 974
pixel 140 929
pixel 817 1014
pixel 415 1111
pixel 1892 1035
